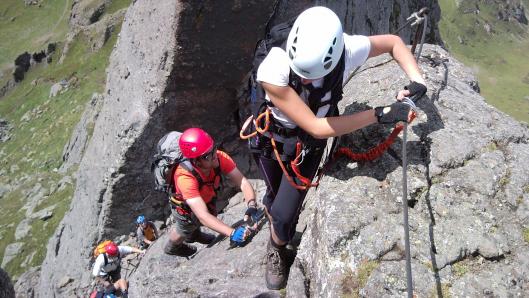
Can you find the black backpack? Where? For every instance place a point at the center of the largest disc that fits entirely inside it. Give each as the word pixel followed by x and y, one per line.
pixel 167 158
pixel 256 104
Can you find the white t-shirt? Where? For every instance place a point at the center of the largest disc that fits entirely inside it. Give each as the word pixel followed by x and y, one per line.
pixel 100 269
pixel 275 70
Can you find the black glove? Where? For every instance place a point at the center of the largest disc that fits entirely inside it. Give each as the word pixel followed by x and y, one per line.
pixel 396 112
pixel 252 211
pixel 417 90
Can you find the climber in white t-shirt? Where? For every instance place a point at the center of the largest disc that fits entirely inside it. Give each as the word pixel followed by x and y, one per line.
pixel 303 84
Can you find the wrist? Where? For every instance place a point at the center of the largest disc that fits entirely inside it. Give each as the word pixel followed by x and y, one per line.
pixel 379 111
pixel 251 203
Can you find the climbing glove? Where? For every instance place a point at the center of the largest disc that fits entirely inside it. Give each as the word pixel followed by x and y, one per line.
pixel 237 236
pixel 417 90
pixel 396 112
pixel 251 212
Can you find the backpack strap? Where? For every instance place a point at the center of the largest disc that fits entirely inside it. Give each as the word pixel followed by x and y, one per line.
pixel 188 166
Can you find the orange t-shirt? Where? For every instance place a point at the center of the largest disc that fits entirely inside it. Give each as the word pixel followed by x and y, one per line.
pixel 188 186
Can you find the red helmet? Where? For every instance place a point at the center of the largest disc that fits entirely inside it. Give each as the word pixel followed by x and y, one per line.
pixel 111 249
pixel 194 142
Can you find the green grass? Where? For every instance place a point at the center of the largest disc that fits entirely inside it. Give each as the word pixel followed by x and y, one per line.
pixel 498 59
pixel 526 235
pixel 34 151
pixel 20 32
pixel 445 291
pixel 459 269
pixel 352 282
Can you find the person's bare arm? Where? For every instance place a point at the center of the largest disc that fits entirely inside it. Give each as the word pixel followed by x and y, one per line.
pixel 288 101
pixel 393 45
pixel 199 208
pixel 238 179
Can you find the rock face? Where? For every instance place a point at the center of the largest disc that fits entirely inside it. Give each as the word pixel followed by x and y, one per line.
pixel 179 63
pixel 149 89
pixel 466 189
pixel 467 196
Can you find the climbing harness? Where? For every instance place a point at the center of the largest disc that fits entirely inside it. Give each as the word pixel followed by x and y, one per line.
pixel 305 183
pixel 263 120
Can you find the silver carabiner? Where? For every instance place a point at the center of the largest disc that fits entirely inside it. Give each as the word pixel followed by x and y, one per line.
pixel 302 154
pixel 409 102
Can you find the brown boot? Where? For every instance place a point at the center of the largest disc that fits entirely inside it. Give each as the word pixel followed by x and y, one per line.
pixel 276 267
pixel 182 250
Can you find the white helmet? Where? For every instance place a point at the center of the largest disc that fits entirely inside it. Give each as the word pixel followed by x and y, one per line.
pixel 315 43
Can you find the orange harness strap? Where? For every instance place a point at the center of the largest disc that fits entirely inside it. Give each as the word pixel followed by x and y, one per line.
pixel 256 123
pixel 306 183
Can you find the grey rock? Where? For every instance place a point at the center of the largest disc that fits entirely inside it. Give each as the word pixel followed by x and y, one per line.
pixel 237 272
pixel 5 128
pixel 27 282
pixel 64 281
pixel 85 13
pixel 353 218
pixel 23 229
pixel 100 32
pixel 28 259
pixel 460 216
pixel 55 89
pixel 76 146
pixel 296 286
pixel 44 214
pixel 4 189
pixel 11 251
pixel 64 182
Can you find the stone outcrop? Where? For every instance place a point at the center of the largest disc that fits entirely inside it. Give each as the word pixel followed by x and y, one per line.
pixel 467 206
pixel 467 194
pixel 179 64
pixel 76 146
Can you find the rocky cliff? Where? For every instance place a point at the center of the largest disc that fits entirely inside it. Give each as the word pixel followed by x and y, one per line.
pixel 180 63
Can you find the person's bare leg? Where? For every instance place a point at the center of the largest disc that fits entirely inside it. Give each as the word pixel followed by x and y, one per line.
pixel 121 285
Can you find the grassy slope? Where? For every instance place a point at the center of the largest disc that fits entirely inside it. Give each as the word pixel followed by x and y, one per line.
pixel 500 59
pixel 35 148
pixel 19 26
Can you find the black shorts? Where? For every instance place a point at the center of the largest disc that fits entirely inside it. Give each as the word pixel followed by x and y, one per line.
pixel 113 276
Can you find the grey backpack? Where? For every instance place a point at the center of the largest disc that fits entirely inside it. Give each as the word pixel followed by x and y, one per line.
pixel 167 158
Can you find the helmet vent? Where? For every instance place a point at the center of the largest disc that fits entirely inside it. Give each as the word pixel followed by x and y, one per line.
pixel 334 41
pixel 330 51
pixel 327 65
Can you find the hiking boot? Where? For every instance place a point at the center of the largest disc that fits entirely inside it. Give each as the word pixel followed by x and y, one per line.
pixel 181 250
pixel 276 267
pixel 201 237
